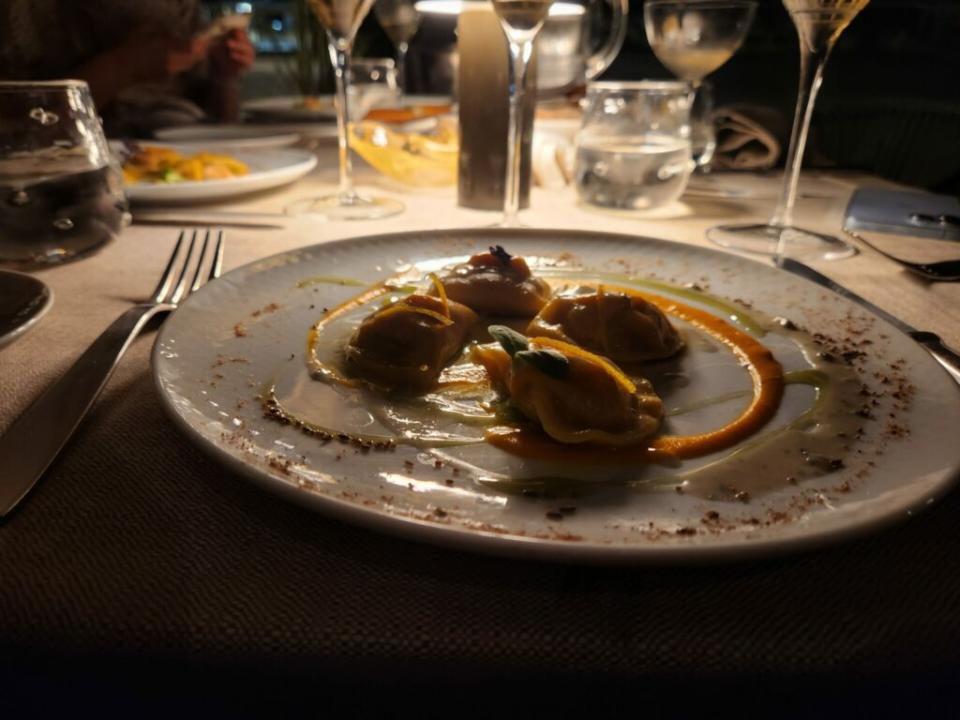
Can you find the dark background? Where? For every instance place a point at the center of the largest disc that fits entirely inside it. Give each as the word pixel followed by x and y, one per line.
pixel 890 102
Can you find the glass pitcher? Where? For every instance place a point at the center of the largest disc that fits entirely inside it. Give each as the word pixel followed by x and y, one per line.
pixel 565 56
pixel 633 148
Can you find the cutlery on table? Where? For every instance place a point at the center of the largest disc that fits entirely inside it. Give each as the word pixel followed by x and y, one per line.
pixel 35 438
pixel 943 354
pixel 940 271
pixel 223 218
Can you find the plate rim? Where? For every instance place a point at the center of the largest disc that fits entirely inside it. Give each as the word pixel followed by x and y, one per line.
pixel 736 549
pixel 20 330
pixel 271 140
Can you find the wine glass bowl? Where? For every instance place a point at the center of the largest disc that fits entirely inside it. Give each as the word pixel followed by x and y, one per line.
pixel 692 40
pixel 341 19
pixel 400 20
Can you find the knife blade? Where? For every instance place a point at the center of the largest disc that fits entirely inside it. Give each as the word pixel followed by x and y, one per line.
pixel 256 221
pixel 943 354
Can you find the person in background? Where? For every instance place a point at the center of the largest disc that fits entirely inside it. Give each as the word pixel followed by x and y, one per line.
pixel 149 64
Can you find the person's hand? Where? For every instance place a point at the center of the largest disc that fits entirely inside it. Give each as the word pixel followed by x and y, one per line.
pixel 232 55
pixel 155 58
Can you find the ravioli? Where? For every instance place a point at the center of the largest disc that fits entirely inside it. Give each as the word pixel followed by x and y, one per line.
pixel 405 346
pixel 574 395
pixel 497 283
pixel 624 328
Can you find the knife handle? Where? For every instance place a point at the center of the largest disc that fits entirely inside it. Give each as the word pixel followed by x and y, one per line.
pixel 943 354
pixel 35 438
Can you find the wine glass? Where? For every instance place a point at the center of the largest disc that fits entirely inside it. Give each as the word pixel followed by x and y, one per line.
pixel 400 21
pixel 693 39
pixel 521 21
pixel 341 19
pixel 819 23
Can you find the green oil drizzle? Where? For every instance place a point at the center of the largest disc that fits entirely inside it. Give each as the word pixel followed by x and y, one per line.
pixel 331 280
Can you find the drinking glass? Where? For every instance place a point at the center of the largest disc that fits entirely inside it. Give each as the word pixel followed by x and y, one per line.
pixel 521 21
pixel 373 83
pixel 693 39
pixel 633 148
pixel 341 19
pixel 61 193
pixel 400 21
pixel 819 23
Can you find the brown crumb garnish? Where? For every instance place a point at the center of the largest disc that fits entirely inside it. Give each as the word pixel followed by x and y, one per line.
pixel 266 310
pixel 240 330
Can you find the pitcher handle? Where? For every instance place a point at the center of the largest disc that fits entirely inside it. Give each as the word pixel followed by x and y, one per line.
pixel 607 53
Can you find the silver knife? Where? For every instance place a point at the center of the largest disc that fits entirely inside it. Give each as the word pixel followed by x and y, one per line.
pixel 221 218
pixel 947 357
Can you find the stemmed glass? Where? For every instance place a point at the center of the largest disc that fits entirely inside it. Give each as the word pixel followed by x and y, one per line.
pixel 341 19
pixel 521 21
pixel 693 39
pixel 819 23
pixel 400 21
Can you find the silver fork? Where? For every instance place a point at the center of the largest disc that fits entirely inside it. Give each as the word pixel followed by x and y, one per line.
pixel 35 438
pixel 937 271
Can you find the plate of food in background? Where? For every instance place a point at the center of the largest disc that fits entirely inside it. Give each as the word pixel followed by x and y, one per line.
pixel 171 174
pixel 291 108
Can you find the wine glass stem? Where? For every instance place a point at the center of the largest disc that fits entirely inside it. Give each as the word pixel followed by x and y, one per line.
pixel 340 55
pixel 520 52
pixel 402 69
pixel 811 75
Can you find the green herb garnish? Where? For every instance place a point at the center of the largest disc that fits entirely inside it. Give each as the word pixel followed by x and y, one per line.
pixel 509 339
pixel 550 362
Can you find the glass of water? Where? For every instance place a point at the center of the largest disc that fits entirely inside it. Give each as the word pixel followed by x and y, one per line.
pixel 633 148
pixel 61 193
pixel 373 84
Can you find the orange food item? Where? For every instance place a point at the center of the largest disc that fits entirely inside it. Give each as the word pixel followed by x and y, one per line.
pixel 624 328
pixel 496 283
pixel 405 346
pixel 407 114
pixel 768 384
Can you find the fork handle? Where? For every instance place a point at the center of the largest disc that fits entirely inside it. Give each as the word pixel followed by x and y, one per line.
pixel 35 438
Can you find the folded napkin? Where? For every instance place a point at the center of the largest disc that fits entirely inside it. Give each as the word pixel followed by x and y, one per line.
pixel 747 137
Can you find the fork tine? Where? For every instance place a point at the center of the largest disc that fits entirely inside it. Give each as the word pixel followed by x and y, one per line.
pixel 195 284
pixel 217 264
pixel 182 279
pixel 167 276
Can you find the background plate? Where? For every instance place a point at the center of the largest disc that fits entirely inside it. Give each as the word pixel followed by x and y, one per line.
pixel 214 355
pixel 268 169
pixel 237 137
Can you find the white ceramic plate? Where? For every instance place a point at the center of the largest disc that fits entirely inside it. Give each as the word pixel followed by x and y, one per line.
pixel 268 169
pixel 236 137
pixel 248 329
pixel 290 108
